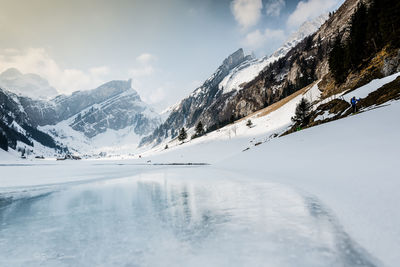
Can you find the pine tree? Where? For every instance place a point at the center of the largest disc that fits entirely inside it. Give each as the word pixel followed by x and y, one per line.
pixel 308 42
pixel 3 142
pixel 249 123
pixel 320 51
pixel 357 37
pixel 302 113
pixel 338 60
pixel 232 118
pixel 182 135
pixel 199 129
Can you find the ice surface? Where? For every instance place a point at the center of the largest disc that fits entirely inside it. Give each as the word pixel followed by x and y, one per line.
pixel 173 217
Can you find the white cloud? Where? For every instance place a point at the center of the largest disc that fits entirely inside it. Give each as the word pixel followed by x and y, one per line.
pixel 153 92
pixel 37 60
pixel 145 58
pixel 144 68
pixel 246 12
pixel 99 71
pixel 157 95
pixel 141 71
pixel 274 7
pixel 310 9
pixel 257 39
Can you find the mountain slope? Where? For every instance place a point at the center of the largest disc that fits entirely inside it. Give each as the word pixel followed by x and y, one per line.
pixel 187 112
pixel 18 132
pixel 209 102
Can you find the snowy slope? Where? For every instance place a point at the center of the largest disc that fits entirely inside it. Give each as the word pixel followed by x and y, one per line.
pixel 349 164
pixel 267 122
pixel 245 73
pixel 264 126
pixel 116 143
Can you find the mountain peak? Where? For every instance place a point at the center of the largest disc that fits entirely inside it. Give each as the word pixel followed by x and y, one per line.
pixel 234 59
pixel 307 28
pixel 29 85
pixel 10 73
pixel 120 84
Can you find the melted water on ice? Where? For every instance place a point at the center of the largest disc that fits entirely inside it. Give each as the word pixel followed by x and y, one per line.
pixel 169 218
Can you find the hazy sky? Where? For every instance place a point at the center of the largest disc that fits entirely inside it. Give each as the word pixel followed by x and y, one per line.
pixel 168 47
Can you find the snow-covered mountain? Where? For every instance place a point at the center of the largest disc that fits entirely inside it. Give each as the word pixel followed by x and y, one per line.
pixel 248 70
pixel 18 132
pixel 29 84
pixel 188 111
pixel 208 101
pixel 306 29
pixel 105 119
pixel 114 111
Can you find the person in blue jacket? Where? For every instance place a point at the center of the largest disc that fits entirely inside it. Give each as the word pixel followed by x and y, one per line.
pixel 353 102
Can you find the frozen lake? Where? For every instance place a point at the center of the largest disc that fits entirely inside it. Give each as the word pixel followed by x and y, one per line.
pixel 171 216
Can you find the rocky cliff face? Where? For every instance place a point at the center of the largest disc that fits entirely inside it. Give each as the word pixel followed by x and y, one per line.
pixel 16 127
pixel 122 109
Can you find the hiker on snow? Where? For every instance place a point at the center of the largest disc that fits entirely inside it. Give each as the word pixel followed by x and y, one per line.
pixel 353 102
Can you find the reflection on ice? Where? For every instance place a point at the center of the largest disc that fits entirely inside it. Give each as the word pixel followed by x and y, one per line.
pixel 169 219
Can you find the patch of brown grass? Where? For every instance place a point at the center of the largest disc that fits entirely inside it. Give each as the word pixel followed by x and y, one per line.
pixel 370 71
pixel 265 111
pixel 275 106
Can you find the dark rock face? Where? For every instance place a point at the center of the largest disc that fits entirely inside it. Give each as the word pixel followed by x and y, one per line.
pixel 16 125
pixel 71 105
pixel 10 108
pixel 391 65
pixel 191 108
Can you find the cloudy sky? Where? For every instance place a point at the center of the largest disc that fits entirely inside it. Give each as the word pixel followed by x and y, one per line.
pixel 168 47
